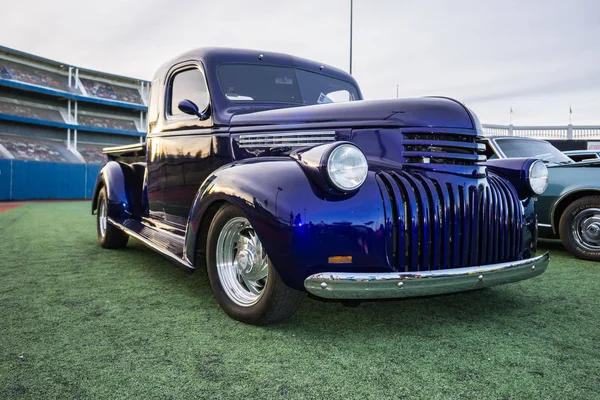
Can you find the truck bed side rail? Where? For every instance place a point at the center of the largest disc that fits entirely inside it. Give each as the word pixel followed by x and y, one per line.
pixel 128 151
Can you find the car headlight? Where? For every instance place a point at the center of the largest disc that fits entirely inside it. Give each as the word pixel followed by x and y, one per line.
pixel 538 177
pixel 347 167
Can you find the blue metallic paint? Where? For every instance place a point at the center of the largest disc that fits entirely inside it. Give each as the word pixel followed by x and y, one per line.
pixel 435 112
pixel 299 224
pixel 516 170
pixel 112 178
pixel 299 220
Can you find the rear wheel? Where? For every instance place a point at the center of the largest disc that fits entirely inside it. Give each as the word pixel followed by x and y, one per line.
pixel 109 236
pixel 579 228
pixel 242 278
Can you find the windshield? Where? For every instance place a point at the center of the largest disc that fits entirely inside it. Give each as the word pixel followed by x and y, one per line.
pixel 532 148
pixel 270 84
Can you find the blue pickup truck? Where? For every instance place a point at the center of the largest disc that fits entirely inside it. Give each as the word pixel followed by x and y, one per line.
pixel 274 174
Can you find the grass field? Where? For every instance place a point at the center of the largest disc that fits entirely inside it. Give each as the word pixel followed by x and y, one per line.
pixel 77 321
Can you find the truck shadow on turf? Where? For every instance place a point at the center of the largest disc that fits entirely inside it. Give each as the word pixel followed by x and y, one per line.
pixel 477 306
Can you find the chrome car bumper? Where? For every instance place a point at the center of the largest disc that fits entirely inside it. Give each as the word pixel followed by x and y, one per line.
pixel 339 285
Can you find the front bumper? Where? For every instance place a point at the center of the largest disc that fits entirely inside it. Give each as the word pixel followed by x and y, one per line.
pixel 339 285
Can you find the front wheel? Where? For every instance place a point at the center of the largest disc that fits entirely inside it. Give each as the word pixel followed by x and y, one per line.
pixel 242 278
pixel 580 228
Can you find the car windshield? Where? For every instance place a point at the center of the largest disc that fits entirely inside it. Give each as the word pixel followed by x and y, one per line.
pixel 271 84
pixel 532 148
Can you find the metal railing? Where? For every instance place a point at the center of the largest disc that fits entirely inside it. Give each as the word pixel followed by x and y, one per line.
pixel 568 132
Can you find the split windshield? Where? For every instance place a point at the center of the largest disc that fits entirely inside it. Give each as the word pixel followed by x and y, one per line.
pixel 270 84
pixel 513 148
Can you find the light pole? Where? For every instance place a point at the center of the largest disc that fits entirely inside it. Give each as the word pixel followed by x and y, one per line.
pixel 351 7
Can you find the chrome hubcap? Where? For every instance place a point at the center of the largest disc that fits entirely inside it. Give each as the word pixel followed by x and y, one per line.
pixel 102 218
pixel 586 229
pixel 242 264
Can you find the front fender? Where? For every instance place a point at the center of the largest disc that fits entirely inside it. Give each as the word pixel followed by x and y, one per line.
pixel 300 225
pixel 516 170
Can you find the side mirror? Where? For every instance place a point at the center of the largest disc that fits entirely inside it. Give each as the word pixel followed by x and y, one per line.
pixel 190 108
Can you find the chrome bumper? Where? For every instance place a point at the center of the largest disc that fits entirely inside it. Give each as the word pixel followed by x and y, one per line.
pixel 339 285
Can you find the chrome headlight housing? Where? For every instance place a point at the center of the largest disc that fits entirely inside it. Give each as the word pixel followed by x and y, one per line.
pixel 347 167
pixel 538 177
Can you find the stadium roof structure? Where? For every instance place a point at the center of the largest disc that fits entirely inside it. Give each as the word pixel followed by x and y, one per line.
pixel 61 64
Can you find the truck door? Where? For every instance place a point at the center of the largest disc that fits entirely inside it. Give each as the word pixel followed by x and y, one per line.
pixel 185 142
pixel 155 165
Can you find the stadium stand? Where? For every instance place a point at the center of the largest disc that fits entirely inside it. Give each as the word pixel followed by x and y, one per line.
pixel 32 149
pixel 29 111
pixel 61 115
pixel 107 122
pixel 31 75
pixel 92 153
pixel 107 91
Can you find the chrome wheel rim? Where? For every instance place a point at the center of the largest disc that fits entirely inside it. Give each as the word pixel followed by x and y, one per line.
pixel 102 220
pixel 242 263
pixel 586 229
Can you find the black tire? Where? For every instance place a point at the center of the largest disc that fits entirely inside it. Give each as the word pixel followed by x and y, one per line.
pixel 277 301
pixel 110 237
pixel 582 213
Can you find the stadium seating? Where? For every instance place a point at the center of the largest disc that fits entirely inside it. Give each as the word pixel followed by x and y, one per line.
pixel 105 90
pixel 28 111
pixel 106 122
pixel 35 76
pixel 92 153
pixel 33 149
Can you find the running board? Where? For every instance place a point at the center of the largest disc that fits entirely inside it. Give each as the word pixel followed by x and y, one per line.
pixel 167 244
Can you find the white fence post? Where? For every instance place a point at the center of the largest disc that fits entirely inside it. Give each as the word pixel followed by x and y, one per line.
pixel 554 132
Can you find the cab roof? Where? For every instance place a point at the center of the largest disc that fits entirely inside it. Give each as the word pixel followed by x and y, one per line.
pixel 211 57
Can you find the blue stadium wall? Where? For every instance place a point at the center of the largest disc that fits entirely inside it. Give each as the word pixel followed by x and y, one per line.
pixel 28 180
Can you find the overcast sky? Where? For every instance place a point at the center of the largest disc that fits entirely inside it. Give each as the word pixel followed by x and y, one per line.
pixel 538 56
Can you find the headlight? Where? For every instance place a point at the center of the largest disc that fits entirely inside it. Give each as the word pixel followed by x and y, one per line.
pixel 347 167
pixel 538 177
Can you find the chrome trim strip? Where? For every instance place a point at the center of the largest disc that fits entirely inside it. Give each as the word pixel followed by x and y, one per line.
pixel 124 149
pixel 152 245
pixel 340 285
pixel 286 139
pixel 545 225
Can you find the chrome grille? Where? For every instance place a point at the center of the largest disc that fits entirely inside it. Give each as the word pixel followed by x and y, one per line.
pixel 442 148
pixel 439 225
pixel 286 139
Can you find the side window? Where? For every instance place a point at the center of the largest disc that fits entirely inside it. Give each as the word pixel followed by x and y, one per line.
pixel 190 85
pixel 340 96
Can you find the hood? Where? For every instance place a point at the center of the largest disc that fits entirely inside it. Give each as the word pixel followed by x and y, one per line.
pixel 435 112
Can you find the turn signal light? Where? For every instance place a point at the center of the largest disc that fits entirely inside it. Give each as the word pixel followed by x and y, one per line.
pixel 340 260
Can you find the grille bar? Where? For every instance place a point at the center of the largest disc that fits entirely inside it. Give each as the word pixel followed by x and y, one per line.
pixel 440 225
pixel 442 148
pixel 471 145
pixel 286 139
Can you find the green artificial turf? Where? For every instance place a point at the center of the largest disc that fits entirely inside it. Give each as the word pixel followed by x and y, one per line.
pixel 77 321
